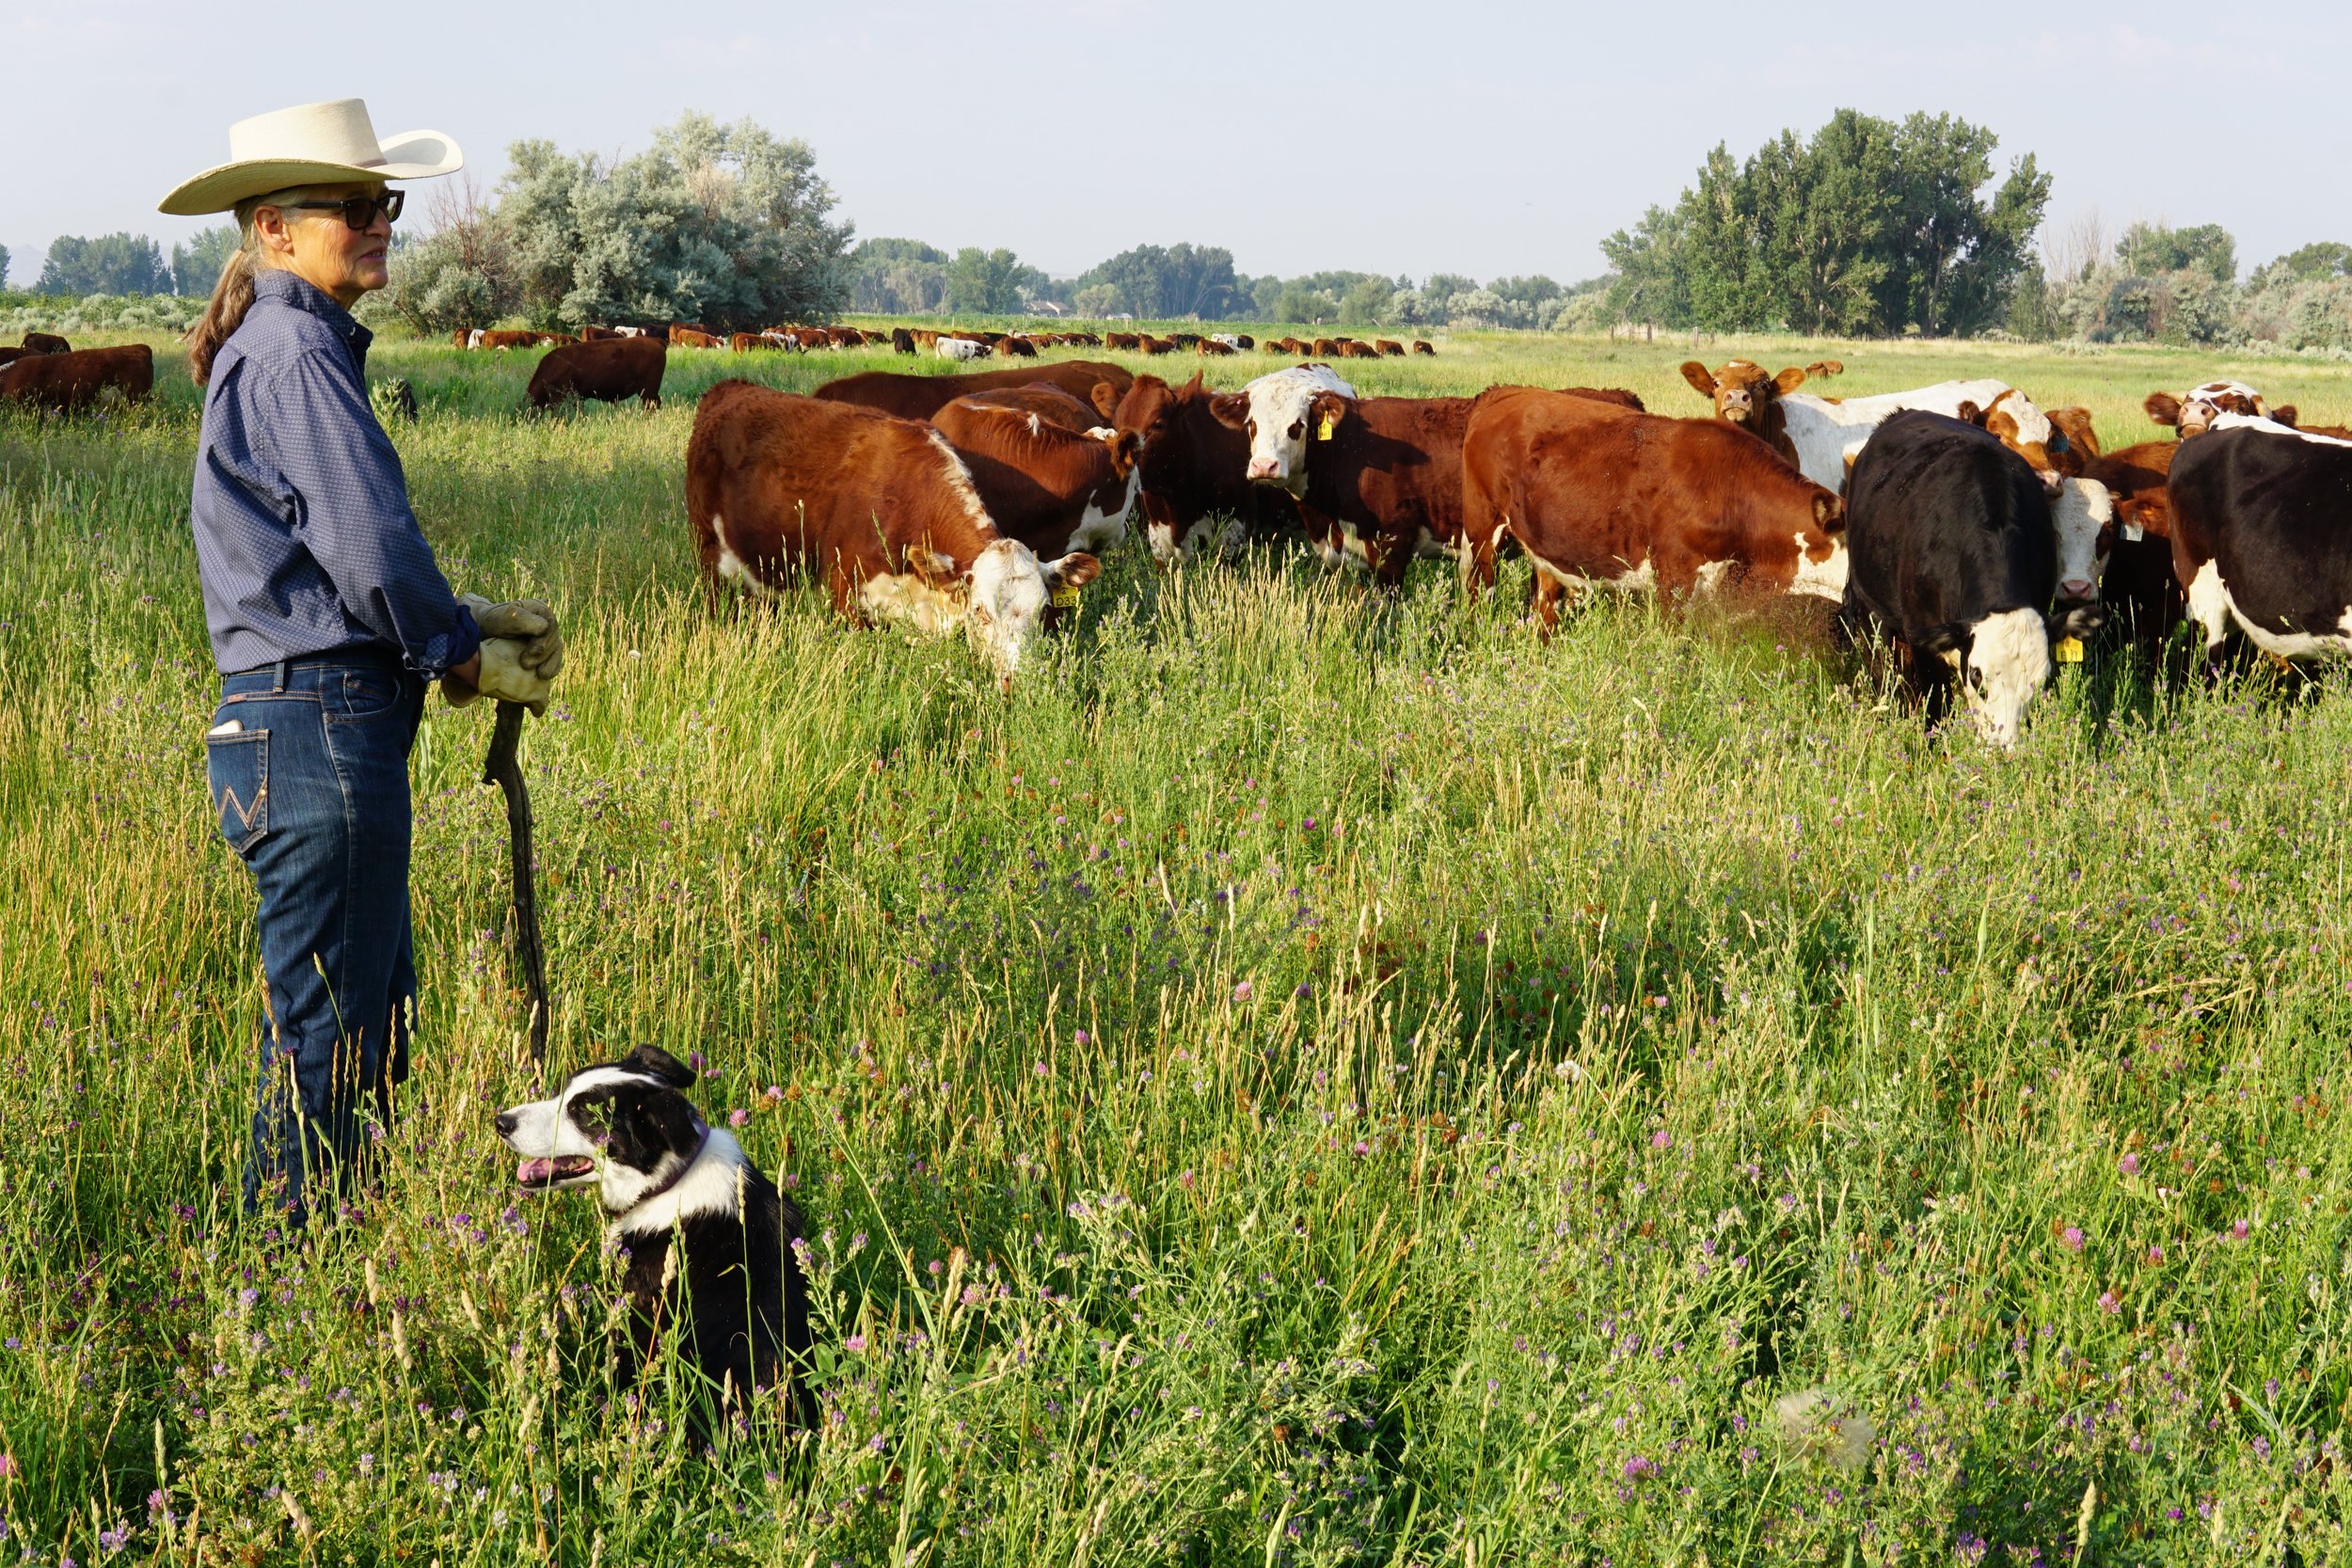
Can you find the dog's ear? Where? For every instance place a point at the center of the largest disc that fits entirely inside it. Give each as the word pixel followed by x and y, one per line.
pixel 654 1062
pixel 660 1118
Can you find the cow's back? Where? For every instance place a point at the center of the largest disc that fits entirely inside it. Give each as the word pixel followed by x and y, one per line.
pixel 918 397
pixel 2273 512
pixel 1945 525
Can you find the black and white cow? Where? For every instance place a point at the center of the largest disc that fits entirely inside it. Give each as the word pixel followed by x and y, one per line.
pixel 1953 552
pixel 2262 535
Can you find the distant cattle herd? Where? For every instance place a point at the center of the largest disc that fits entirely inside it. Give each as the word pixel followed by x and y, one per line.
pixel 1982 535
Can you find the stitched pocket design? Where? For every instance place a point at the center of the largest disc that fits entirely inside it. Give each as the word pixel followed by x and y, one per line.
pixel 238 768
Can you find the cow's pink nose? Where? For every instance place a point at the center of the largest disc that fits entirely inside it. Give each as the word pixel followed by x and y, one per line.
pixel 1262 467
pixel 2076 588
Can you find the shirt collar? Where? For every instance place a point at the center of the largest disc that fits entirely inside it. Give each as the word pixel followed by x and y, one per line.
pixel 278 284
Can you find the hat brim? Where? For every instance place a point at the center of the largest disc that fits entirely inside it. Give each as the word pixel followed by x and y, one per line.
pixel 410 155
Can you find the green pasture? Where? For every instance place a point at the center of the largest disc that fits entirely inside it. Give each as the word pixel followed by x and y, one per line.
pixel 1313 1077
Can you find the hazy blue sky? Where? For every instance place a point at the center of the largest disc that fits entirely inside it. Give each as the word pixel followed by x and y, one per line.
pixel 1300 133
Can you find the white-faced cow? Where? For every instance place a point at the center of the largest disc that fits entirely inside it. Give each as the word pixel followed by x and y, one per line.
pixel 2193 412
pixel 1272 412
pixel 1954 554
pixel 778 484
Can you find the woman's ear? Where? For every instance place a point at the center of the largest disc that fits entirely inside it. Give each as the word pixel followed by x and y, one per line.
pixel 277 233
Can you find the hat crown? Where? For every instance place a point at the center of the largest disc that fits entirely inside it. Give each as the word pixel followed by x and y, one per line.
pixel 337 132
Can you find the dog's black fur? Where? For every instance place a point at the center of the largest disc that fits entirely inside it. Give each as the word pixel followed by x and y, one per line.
pixel 707 1238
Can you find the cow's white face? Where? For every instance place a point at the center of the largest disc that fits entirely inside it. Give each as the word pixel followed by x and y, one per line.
pixel 1009 591
pixel 2005 663
pixel 1273 410
pixel 2084 510
pixel 2203 404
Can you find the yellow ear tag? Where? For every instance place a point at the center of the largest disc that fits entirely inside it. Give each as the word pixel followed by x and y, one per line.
pixel 1066 596
pixel 1323 431
pixel 2067 650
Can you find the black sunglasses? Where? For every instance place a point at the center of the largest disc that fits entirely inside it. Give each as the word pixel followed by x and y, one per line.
pixel 358 211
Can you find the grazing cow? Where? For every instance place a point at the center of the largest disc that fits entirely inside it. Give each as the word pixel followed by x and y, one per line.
pixel 78 378
pixel 1054 404
pixel 1278 346
pixel 901 340
pixel 1214 346
pixel 1384 480
pixel 1184 339
pixel 1351 349
pixel 591 334
pixel 961 349
pixel 1053 488
pixel 692 337
pixel 1599 495
pixel 1323 348
pixel 1742 390
pixel 1244 340
pixel 1272 411
pixel 778 484
pixel 1388 348
pixel 461 338
pixel 2259 514
pixel 1955 554
pixel 1115 341
pixel 787 342
pixel 1192 469
pixel 1015 348
pixel 1420 347
pixel 743 342
pixel 610 369
pixel 504 339
pixel 918 397
pixel 1149 344
pixel 45 343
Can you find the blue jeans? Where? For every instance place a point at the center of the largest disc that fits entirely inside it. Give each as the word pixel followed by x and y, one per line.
pixel 311 791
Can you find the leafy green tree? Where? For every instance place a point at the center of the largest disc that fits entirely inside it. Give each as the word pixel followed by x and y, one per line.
pixel 1444 285
pixel 1648 271
pixel 1373 299
pixel 109 264
pixel 2326 258
pixel 196 264
pixel 1168 282
pixel 984 281
pixel 1307 307
pixel 1537 290
pixel 2153 248
pixel 726 225
pixel 1868 227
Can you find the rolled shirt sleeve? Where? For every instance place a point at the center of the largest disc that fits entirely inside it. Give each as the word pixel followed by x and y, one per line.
pixel 351 513
pixel 305 541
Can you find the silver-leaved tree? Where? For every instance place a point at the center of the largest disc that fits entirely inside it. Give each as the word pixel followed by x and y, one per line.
pixel 724 224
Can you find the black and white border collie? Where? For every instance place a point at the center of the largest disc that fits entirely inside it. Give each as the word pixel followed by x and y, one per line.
pixel 709 1238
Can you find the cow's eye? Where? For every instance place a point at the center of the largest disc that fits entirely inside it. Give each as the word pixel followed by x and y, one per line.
pixel 1298 429
pixel 1975 678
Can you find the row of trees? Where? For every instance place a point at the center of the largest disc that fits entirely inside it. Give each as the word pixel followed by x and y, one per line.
pixel 131 265
pixel 2159 284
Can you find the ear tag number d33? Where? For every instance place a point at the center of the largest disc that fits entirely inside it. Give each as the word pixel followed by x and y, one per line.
pixel 1066 596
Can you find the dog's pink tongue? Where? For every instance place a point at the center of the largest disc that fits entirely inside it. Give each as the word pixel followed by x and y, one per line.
pixel 534 1170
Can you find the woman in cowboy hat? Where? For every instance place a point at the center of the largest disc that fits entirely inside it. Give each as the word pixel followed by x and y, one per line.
pixel 329 619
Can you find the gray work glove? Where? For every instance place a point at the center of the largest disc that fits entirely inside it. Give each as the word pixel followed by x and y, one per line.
pixel 530 623
pixel 503 676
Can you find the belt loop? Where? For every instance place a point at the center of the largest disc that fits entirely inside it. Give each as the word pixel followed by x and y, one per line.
pixel 285 673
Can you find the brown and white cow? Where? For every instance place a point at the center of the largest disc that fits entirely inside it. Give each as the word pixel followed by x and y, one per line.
pixel 1389 348
pixel 685 337
pixel 1272 411
pixel 610 369
pixel 1742 390
pixel 1194 468
pixel 1384 477
pixel 2194 411
pixel 918 397
pixel 1598 496
pixel 1420 347
pixel 777 485
pixel 1053 488
pixel 78 378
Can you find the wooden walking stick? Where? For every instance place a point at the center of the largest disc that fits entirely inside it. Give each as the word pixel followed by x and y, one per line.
pixel 500 768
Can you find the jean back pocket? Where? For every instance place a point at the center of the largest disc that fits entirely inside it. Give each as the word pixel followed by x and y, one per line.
pixel 238 768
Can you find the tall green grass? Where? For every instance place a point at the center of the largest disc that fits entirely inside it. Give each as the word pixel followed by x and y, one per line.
pixel 1312 1077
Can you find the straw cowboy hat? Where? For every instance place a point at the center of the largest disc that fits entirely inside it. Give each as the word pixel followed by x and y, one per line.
pixel 317 144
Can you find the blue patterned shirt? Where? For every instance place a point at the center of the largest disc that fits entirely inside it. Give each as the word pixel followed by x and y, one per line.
pixel 303 533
